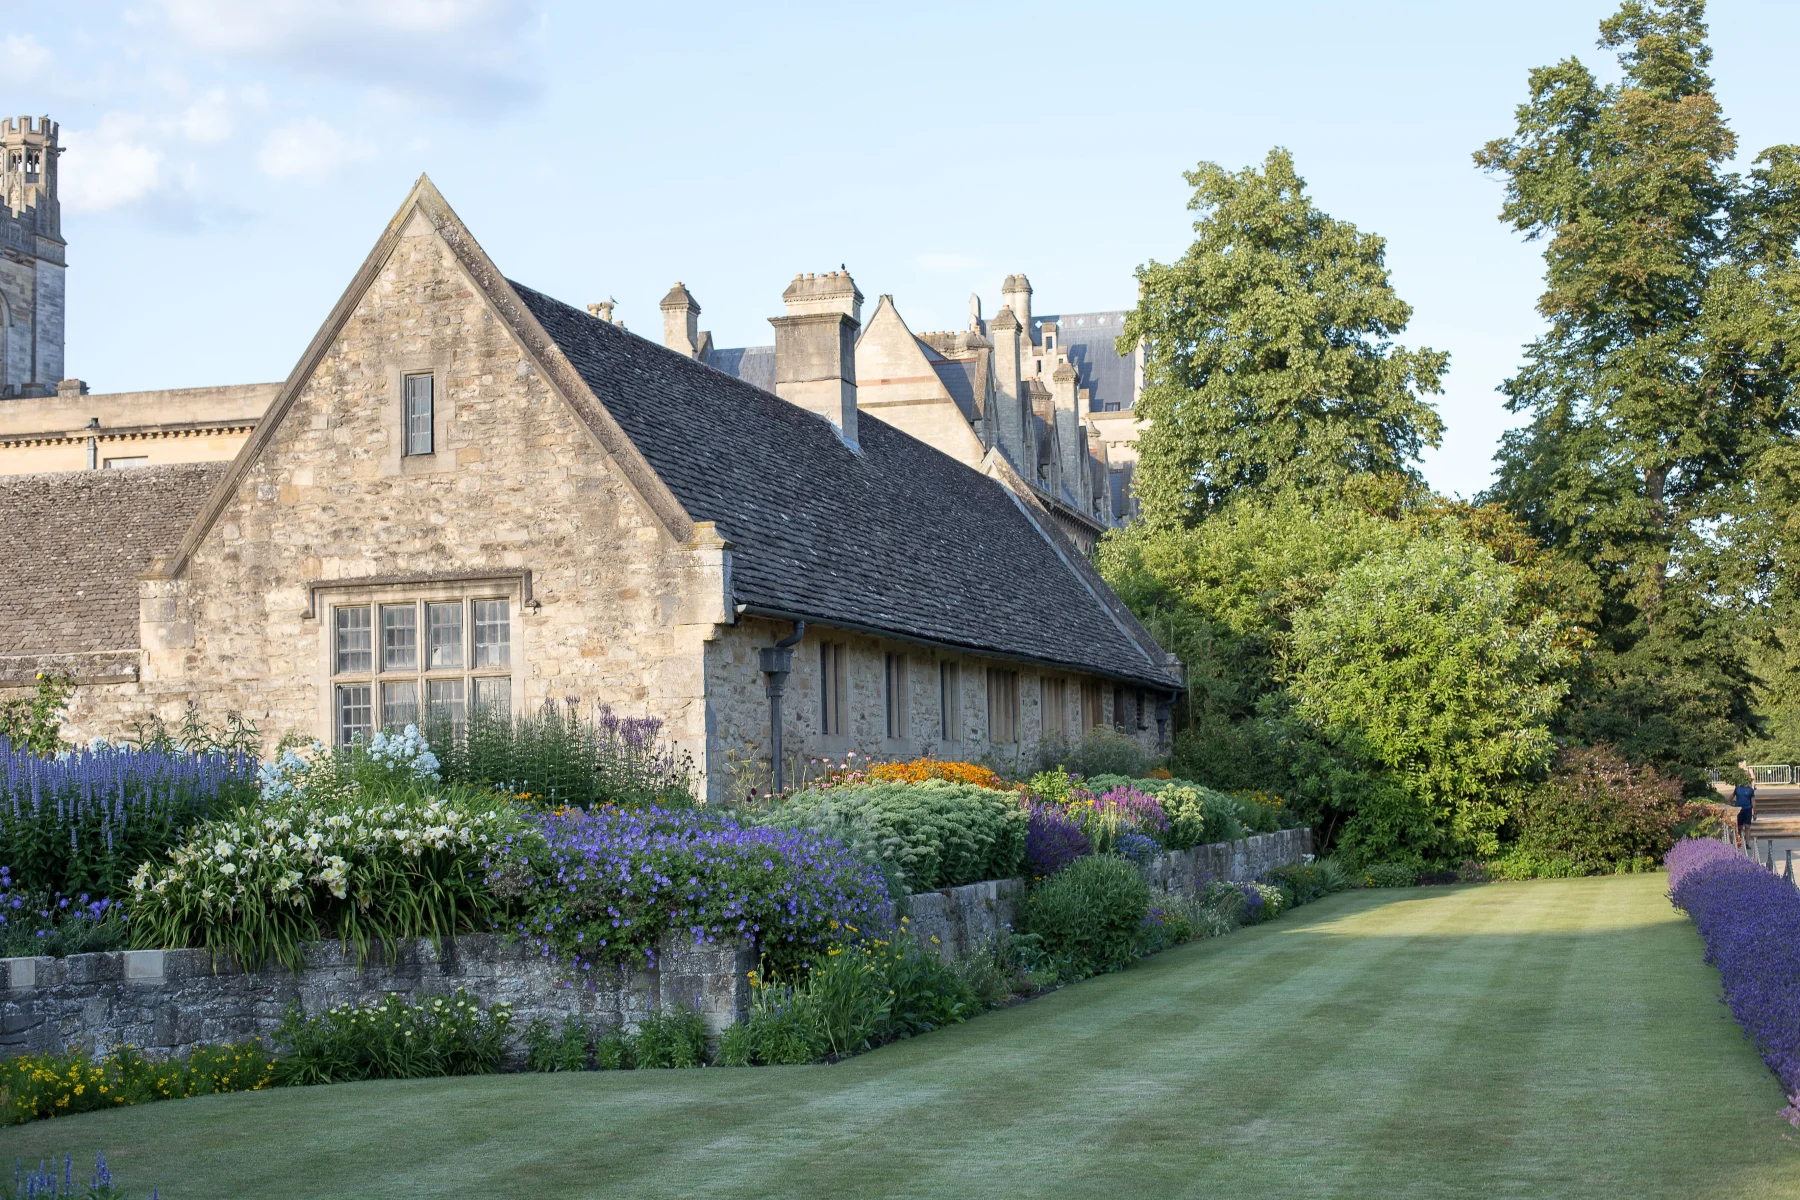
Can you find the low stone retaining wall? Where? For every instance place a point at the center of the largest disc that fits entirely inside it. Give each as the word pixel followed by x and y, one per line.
pixel 964 918
pixel 1187 871
pixel 167 1001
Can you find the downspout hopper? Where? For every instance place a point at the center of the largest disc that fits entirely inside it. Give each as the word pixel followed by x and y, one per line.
pixel 777 664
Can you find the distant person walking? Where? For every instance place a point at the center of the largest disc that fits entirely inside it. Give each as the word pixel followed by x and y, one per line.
pixel 1744 796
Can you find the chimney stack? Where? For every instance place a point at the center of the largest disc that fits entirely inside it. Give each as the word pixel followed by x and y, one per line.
pixel 815 347
pixel 1015 293
pixel 1005 431
pixel 681 321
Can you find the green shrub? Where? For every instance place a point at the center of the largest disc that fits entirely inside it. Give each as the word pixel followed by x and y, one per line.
pixel 1302 883
pixel 783 1029
pixel 33 1086
pixel 557 758
pixel 1595 811
pixel 353 845
pixel 550 1049
pixel 392 1038
pixel 929 835
pixel 1102 751
pixel 669 1037
pixel 1089 913
pixel 1390 874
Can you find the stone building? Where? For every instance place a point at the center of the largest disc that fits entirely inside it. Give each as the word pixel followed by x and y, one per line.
pixel 31 259
pixel 469 493
pixel 1050 395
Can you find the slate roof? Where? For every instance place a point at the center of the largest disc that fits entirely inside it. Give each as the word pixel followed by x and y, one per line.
pixel 1088 340
pixel 899 538
pixel 76 541
pixel 754 365
pixel 958 378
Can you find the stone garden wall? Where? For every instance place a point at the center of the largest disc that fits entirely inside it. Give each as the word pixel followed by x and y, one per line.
pixel 964 918
pixel 168 1001
pixel 1247 858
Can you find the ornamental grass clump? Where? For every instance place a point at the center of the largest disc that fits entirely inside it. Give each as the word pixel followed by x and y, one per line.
pixel 35 1086
pixel 392 1038
pixel 83 820
pixel 1749 920
pixel 357 845
pixel 560 758
pixel 602 888
pixel 926 835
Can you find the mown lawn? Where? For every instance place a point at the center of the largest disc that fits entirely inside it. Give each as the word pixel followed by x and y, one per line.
pixel 1555 1039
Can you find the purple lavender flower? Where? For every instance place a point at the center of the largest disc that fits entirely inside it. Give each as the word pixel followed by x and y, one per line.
pixel 1053 840
pixel 1749 920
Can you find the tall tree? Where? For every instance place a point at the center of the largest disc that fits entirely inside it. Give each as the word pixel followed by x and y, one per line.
pixel 1270 356
pixel 1664 374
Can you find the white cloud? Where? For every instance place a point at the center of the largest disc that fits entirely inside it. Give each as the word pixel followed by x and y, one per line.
pixel 111 166
pixel 23 59
pixel 467 52
pixel 310 147
pixel 208 119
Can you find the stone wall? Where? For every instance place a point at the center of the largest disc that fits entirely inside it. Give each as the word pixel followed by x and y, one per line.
pixel 1248 858
pixel 738 708
pixel 516 489
pixel 965 918
pixel 168 1001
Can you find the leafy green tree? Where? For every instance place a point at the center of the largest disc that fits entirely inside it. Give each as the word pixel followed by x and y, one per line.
pixel 1663 376
pixel 1415 652
pixel 1270 356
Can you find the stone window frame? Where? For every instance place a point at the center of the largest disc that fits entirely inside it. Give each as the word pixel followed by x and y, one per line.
pixel 329 597
pixel 397 461
pixel 834 689
pixel 897 695
pixel 1093 710
pixel 950 702
pixel 1053 707
pixel 1003 706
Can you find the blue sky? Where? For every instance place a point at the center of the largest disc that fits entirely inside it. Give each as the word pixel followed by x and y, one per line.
pixel 231 161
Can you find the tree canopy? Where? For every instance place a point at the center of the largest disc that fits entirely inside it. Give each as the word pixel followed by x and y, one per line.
pixel 1664 376
pixel 1270 358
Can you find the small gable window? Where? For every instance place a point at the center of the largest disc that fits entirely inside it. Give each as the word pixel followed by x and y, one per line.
pixel 418 402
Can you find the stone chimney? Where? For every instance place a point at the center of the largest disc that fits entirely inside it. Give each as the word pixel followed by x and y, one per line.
pixel 815 347
pixel 1005 328
pixel 681 321
pixel 1015 293
pixel 1070 435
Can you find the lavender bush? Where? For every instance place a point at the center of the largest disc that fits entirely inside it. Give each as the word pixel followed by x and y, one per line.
pixel 1053 840
pixel 1749 921
pixel 602 887
pixel 83 820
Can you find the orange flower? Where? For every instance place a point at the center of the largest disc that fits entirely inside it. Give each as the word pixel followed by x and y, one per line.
pixel 921 770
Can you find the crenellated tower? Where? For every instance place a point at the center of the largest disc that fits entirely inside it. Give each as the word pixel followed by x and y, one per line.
pixel 32 259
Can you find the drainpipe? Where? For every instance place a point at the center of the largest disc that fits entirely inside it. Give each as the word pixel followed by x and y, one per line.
pixel 93 446
pixel 777 663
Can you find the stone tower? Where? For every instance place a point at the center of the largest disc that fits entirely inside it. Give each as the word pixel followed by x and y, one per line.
pixel 31 259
